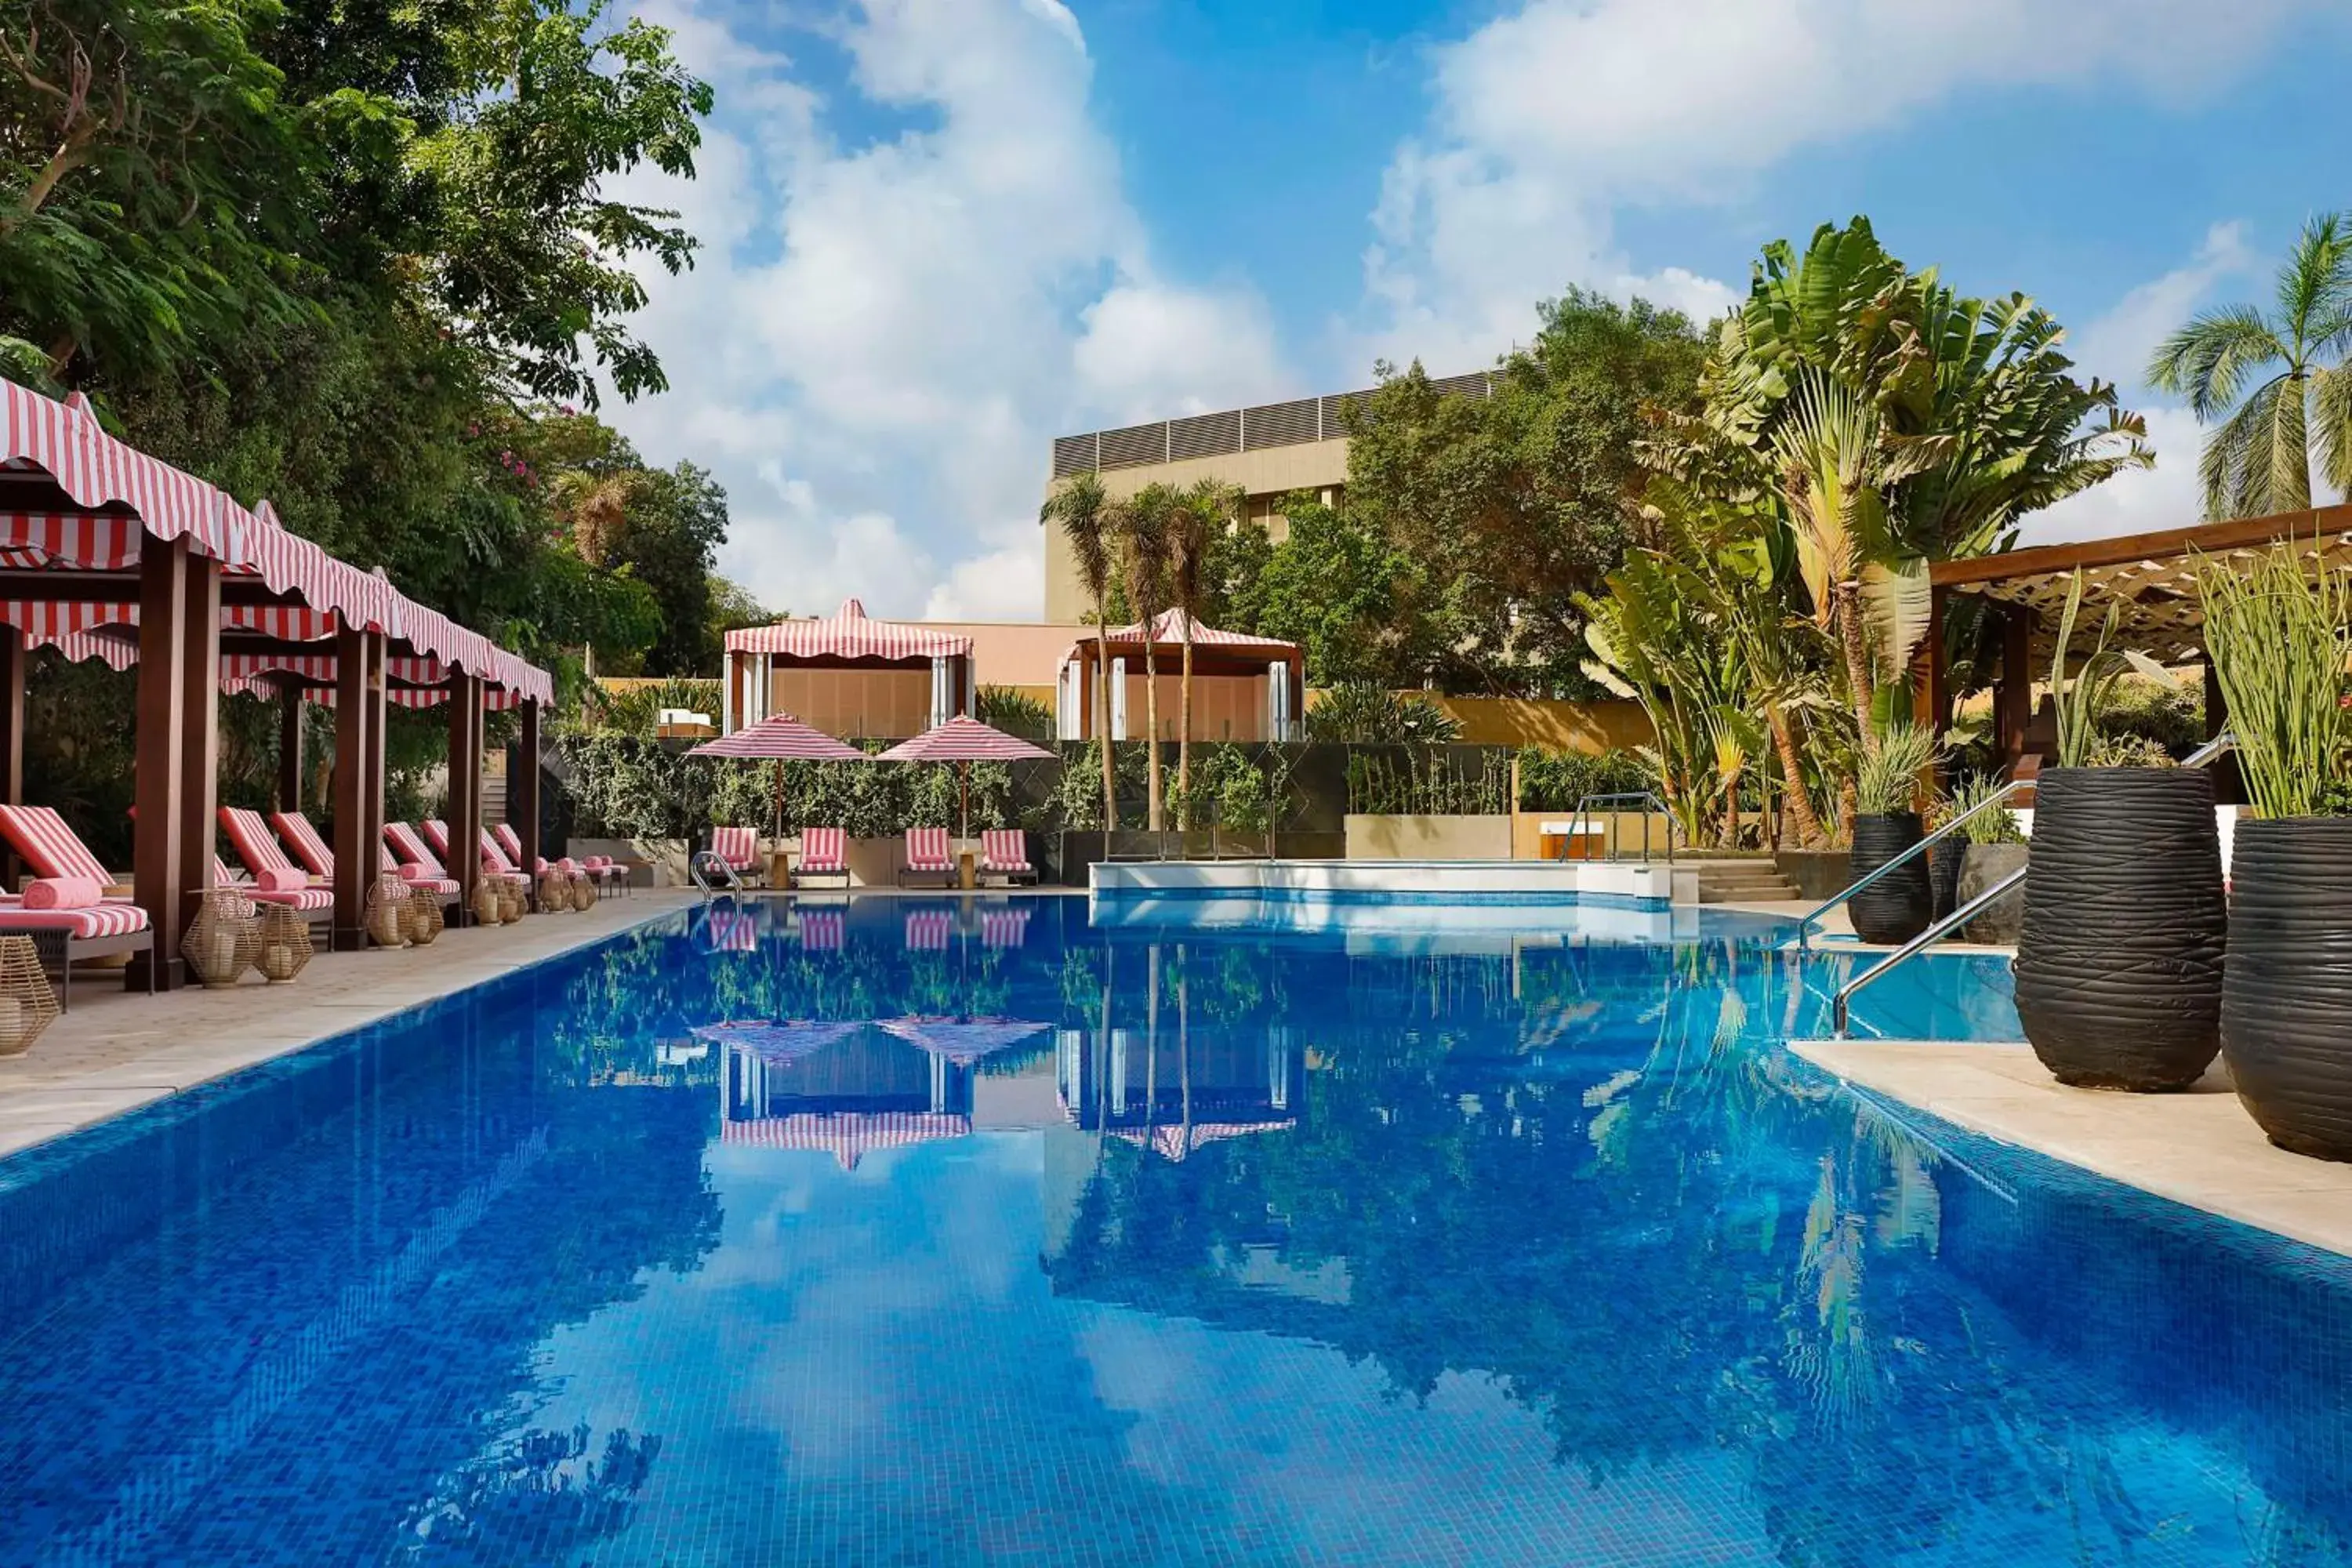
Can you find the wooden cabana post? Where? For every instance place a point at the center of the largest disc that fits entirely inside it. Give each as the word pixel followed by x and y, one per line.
pixel 465 806
pixel 358 789
pixel 289 745
pixel 522 793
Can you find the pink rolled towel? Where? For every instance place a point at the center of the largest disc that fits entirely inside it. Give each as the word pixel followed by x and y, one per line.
pixel 281 879
pixel 62 893
pixel 568 864
pixel 414 871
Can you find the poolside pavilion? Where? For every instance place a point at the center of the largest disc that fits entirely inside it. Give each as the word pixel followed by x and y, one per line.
pixel 847 674
pixel 1244 687
pixel 112 553
pixel 2150 578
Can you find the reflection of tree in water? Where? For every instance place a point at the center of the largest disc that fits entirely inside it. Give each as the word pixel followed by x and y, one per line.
pixel 537 1497
pixel 1670 1247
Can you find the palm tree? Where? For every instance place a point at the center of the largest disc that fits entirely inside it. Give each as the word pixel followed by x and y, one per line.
pixel 1208 509
pixel 1143 526
pixel 1079 506
pixel 2259 461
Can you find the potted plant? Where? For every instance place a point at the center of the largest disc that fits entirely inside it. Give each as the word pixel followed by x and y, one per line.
pixel 2275 633
pixel 1992 848
pixel 2119 957
pixel 1898 906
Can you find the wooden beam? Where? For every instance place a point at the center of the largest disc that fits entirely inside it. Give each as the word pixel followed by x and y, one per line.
pixel 522 791
pixel 291 703
pixel 50 585
pixel 12 737
pixel 465 807
pixel 378 729
pixel 2050 559
pixel 356 856
pixel 2013 692
pixel 200 740
pixel 158 766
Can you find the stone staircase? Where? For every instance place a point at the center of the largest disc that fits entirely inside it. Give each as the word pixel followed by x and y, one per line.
pixel 1751 880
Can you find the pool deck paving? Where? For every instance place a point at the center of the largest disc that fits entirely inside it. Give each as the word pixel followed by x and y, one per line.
pixel 118 1049
pixel 2199 1148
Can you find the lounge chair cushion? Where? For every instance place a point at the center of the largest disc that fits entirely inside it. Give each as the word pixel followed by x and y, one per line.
pixel 927 849
pixel 85 924
pixel 62 893
pixel 822 849
pixel 1004 849
pixel 48 846
pixel 305 899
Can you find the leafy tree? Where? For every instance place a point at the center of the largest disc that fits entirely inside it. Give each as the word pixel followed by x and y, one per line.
pixel 1342 592
pixel 1081 509
pixel 2258 460
pixel 1514 504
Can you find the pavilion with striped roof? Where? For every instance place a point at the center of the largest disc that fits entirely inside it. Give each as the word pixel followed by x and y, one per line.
pixel 107 552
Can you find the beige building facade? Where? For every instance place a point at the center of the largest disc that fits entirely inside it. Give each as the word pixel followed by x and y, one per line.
pixel 1270 451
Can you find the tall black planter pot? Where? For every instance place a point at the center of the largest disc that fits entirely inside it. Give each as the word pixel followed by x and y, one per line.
pixel 2119 962
pixel 1944 860
pixel 2286 1002
pixel 1898 906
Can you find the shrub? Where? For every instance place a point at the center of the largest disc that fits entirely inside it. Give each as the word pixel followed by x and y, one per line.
pixel 1556 781
pixel 1015 714
pixel 1366 713
pixel 1887 781
pixel 1427 784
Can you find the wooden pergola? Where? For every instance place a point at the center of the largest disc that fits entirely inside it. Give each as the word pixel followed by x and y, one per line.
pixel 108 553
pixel 2150 579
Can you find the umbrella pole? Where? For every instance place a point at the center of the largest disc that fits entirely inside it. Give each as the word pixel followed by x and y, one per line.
pixel 963 794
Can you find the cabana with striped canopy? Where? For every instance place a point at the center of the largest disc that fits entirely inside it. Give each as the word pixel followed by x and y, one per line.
pixel 1229 702
pixel 108 553
pixel 848 673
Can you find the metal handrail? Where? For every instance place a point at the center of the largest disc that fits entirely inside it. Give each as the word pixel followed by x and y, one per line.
pixel 1841 1005
pixel 1651 807
pixel 1805 926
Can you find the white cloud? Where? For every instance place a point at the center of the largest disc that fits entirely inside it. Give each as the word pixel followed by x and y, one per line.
pixel 1549 119
pixel 880 341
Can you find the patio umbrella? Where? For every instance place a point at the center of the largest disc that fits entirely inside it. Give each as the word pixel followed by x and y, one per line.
pixel 965 741
pixel 963 1041
pixel 780 738
pixel 777 1041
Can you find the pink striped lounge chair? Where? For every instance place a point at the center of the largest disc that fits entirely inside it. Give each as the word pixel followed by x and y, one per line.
pixel 601 870
pixel 62 936
pixel 825 852
pixel 406 847
pixel 1004 852
pixel 929 854
pixel 310 847
pixel 494 864
pixel 739 848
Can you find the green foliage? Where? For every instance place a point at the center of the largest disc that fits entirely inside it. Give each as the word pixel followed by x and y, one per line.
pixel 2112 750
pixel 2168 714
pixel 1235 788
pixel 1366 713
pixel 637 710
pixel 1510 506
pixel 2080 701
pixel 2258 460
pixel 1887 781
pixel 1556 781
pixel 1993 824
pixel 1339 591
pixel 625 787
pixel 1427 782
pixel 1015 714
pixel 2276 630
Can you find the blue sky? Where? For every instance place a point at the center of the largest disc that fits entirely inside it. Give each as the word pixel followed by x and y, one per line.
pixel 939 232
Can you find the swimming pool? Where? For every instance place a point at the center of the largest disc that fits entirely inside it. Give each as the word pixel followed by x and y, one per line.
pixel 958 1232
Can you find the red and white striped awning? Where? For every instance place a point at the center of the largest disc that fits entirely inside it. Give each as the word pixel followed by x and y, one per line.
pixel 108 477
pixel 1175 1142
pixel 847 632
pixel 963 1041
pixel 1167 632
pixel 849 1135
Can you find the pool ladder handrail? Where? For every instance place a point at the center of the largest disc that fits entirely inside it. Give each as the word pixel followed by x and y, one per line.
pixel 1842 1005
pixel 702 860
pixel 1805 927
pixel 1651 807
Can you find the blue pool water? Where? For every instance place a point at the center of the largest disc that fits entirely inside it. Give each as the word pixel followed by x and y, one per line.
pixel 980 1233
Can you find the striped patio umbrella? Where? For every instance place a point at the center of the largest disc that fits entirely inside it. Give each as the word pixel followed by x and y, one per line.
pixel 780 738
pixel 964 741
pixel 963 1041
pixel 776 1041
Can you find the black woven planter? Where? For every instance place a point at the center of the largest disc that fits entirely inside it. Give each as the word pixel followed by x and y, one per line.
pixel 1898 906
pixel 1944 857
pixel 2287 1006
pixel 2119 962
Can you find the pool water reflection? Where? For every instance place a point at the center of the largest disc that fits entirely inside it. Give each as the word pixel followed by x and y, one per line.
pixel 967 1231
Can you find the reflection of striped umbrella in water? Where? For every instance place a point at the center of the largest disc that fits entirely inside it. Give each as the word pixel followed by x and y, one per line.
pixel 963 1041
pixel 848 1135
pixel 1174 1142
pixel 776 1041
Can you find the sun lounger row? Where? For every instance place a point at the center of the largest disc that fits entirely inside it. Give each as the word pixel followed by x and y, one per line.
pixel 929 852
